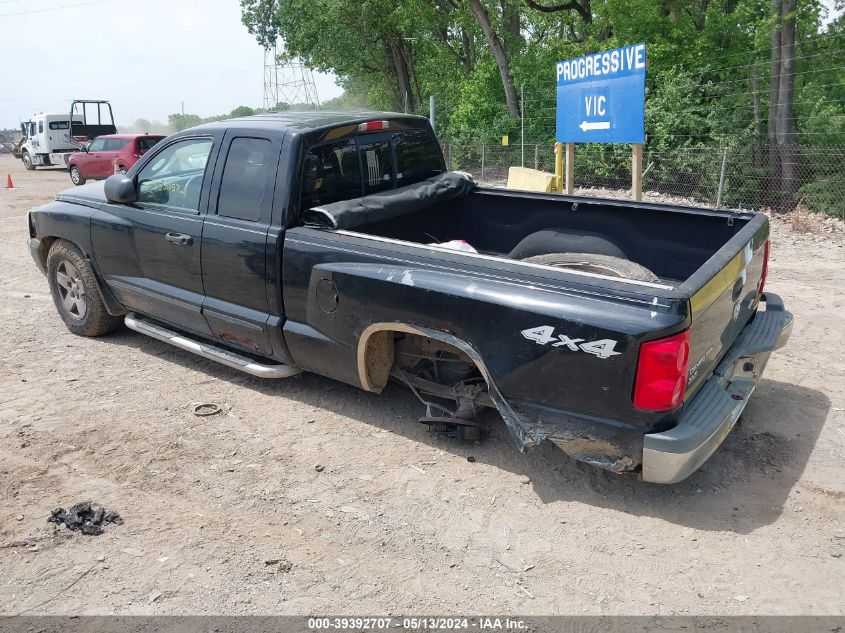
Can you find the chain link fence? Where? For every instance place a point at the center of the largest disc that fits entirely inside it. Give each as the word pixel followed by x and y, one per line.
pixel 732 177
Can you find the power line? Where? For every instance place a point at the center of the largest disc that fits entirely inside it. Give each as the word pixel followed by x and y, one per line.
pixel 803 72
pixel 764 63
pixel 66 6
pixel 768 48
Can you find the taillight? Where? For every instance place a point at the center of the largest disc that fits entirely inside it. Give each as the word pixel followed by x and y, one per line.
pixel 662 373
pixel 372 126
pixel 762 283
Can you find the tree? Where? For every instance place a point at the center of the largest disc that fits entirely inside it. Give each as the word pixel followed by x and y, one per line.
pixel 179 122
pixel 499 53
pixel 783 134
pixel 142 125
pixel 241 111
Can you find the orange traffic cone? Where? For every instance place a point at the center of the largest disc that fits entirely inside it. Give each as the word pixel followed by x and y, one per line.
pixel 9 183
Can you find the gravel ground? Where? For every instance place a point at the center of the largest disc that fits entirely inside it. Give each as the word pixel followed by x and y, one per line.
pixel 228 514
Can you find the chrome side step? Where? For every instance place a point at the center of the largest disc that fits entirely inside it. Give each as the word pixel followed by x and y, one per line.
pixel 211 352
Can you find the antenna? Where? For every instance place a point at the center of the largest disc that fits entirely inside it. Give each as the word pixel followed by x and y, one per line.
pixel 287 81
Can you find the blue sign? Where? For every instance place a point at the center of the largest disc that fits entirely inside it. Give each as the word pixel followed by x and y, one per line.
pixel 601 97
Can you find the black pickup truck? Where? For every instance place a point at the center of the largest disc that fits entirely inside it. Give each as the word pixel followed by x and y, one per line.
pixel 629 334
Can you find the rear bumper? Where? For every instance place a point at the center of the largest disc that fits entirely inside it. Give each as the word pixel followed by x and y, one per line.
pixel 673 455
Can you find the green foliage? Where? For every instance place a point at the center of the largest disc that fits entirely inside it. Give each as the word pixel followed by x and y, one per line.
pixel 241 111
pixel 825 195
pixel 707 83
pixel 179 122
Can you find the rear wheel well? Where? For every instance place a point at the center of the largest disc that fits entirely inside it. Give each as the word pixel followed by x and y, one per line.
pixel 414 350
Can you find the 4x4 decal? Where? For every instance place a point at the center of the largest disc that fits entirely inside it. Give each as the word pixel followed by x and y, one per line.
pixel 545 335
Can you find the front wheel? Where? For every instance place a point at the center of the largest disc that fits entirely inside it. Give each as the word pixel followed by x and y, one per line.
pixel 121 170
pixel 76 176
pixel 75 292
pixel 27 161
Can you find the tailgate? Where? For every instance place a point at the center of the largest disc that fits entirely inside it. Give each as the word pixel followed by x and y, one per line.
pixel 724 294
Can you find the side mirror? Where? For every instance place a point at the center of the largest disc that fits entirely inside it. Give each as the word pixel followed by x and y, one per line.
pixel 120 189
pixel 85 148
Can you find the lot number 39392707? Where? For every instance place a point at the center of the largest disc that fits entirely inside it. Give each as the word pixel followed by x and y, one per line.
pixel 545 335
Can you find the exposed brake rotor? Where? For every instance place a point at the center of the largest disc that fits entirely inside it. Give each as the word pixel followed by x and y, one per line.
pixel 457 428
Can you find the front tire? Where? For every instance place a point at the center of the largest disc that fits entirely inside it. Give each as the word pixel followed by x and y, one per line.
pixel 76 293
pixel 76 176
pixel 27 161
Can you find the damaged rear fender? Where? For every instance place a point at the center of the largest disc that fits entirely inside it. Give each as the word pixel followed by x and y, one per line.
pixel 375 358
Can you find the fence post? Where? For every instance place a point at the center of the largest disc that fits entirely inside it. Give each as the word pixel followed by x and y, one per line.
pixel 637 171
pixel 449 155
pixel 431 110
pixel 482 162
pixel 536 157
pixel 722 177
pixel 522 121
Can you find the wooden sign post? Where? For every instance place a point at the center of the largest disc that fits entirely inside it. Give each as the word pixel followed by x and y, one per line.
pixel 570 169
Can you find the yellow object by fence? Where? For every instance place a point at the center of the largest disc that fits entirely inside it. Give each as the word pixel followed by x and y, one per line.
pixel 529 179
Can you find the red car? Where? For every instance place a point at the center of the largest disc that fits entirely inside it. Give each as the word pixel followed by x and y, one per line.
pixel 99 159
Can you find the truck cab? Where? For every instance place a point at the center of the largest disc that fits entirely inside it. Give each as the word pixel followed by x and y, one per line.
pixel 47 139
pixel 50 139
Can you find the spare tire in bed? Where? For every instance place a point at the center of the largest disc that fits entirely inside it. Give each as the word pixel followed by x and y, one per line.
pixel 594 263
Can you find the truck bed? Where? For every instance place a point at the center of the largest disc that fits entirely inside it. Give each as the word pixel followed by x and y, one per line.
pixel 709 265
pixel 673 242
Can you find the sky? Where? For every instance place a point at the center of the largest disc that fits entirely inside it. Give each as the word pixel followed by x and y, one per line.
pixel 145 56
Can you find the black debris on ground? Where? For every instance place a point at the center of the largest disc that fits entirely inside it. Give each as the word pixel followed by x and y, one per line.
pixel 87 517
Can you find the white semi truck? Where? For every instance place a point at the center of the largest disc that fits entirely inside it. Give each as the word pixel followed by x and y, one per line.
pixel 50 139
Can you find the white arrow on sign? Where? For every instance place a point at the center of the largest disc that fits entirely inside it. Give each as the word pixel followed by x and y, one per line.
pixel 594 125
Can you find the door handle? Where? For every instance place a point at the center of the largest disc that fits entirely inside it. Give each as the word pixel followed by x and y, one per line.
pixel 179 238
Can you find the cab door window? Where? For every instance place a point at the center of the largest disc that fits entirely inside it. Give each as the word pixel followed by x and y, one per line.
pixel 174 176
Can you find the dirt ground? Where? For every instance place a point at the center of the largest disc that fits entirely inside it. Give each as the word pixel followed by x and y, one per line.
pixel 227 514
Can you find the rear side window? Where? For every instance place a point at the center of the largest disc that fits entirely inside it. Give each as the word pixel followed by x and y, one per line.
pixel 146 142
pixel 114 144
pixel 244 179
pixel 330 173
pixel 59 125
pixel 417 157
